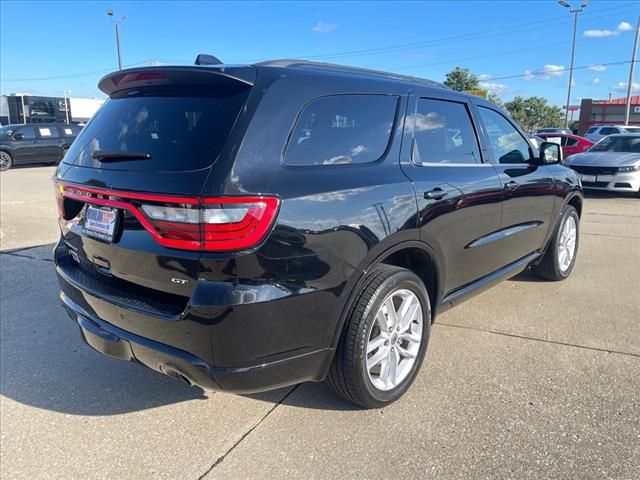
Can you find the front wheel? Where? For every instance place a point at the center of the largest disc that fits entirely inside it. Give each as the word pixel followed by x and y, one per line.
pixel 384 339
pixel 560 258
pixel 6 161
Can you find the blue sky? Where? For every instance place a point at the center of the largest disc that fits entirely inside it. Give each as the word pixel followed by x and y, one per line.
pixel 46 47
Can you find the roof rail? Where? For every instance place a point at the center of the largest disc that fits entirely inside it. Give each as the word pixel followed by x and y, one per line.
pixel 348 69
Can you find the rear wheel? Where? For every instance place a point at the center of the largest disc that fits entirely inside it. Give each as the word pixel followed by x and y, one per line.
pixel 6 162
pixel 384 339
pixel 560 258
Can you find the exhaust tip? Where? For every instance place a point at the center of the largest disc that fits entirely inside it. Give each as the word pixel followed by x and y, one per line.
pixel 173 372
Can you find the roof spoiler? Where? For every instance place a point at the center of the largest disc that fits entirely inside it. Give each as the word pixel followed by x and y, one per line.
pixel 189 75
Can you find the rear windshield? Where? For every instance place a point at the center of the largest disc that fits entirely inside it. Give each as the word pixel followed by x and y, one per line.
pixel 181 129
pixel 615 143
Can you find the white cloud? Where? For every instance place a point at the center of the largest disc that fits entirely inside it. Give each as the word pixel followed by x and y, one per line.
pixel 498 88
pixel 322 27
pixel 600 33
pixel 624 27
pixel 622 87
pixel 555 70
pixel 528 75
pixel 595 33
pixel 597 68
pixel 595 81
pixel 484 76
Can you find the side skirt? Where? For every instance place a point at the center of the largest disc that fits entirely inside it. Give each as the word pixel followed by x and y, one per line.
pixel 465 293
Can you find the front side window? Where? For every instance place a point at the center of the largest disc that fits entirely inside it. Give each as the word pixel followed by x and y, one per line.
pixel 609 131
pixel 592 129
pixel 443 133
pixel 507 143
pixel 342 129
pixel 28 133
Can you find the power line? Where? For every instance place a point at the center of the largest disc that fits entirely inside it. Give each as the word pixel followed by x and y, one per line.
pixel 70 75
pixel 460 60
pixel 560 70
pixel 459 38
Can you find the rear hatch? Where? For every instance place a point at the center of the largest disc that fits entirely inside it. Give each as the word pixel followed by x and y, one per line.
pixel 129 187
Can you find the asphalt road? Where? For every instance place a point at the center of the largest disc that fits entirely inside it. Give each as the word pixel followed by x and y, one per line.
pixel 528 380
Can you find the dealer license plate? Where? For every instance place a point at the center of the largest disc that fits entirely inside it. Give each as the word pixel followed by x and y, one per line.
pixel 100 222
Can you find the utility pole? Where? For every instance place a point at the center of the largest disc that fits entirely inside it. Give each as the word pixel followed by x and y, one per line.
pixel 631 69
pixel 573 52
pixel 24 114
pixel 116 23
pixel 66 105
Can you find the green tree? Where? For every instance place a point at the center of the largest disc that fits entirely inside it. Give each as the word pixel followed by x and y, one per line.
pixel 495 98
pixel 534 112
pixel 460 79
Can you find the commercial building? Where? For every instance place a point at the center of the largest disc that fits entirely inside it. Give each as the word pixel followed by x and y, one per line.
pixel 605 112
pixel 25 108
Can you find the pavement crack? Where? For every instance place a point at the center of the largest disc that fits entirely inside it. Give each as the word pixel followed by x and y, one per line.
pixel 554 342
pixel 14 254
pixel 609 235
pixel 246 434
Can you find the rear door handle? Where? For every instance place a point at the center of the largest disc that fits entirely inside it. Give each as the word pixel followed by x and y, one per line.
pixel 511 185
pixel 435 194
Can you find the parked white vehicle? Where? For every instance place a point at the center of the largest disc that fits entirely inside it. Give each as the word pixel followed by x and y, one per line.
pixel 611 164
pixel 600 131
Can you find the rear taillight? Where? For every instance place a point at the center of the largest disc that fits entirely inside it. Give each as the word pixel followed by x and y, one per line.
pixel 206 223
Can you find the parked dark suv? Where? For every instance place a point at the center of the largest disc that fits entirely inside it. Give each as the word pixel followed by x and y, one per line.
pixel 248 227
pixel 35 143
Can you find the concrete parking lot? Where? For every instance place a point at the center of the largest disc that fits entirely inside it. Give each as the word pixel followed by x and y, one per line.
pixel 529 380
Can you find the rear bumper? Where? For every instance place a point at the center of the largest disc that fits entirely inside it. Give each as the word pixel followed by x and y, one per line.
pixel 120 344
pixel 186 346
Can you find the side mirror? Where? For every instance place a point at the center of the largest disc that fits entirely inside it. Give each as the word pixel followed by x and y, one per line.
pixel 550 153
pixel 18 136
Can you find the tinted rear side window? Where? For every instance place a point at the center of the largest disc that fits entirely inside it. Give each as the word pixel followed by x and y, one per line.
pixel 444 133
pixel 182 129
pixel 342 129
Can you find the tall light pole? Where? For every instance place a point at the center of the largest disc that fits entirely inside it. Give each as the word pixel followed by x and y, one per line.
pixel 66 104
pixel 573 52
pixel 116 23
pixel 631 68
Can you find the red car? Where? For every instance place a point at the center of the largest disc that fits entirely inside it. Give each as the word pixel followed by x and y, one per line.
pixel 571 144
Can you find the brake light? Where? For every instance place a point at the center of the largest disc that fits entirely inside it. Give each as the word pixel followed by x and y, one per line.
pixel 187 223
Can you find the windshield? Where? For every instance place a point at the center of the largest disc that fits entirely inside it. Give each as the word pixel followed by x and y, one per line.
pixel 6 132
pixel 616 143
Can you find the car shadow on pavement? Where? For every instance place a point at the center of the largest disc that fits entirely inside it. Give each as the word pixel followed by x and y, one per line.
pixel 44 362
pixel 604 194
pixel 310 395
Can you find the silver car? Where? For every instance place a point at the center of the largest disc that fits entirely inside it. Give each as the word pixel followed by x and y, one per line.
pixel 611 164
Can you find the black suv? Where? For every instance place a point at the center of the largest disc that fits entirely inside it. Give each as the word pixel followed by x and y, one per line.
pixel 35 143
pixel 249 227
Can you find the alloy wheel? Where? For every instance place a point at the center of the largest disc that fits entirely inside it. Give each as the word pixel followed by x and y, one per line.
pixel 394 339
pixel 567 243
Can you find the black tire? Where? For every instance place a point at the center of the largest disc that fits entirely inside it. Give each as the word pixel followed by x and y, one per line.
pixel 6 162
pixel 548 268
pixel 348 375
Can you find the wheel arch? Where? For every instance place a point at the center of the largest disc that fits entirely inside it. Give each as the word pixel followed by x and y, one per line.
pixel 413 255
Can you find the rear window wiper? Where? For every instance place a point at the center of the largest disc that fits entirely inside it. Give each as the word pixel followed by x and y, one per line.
pixel 117 156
